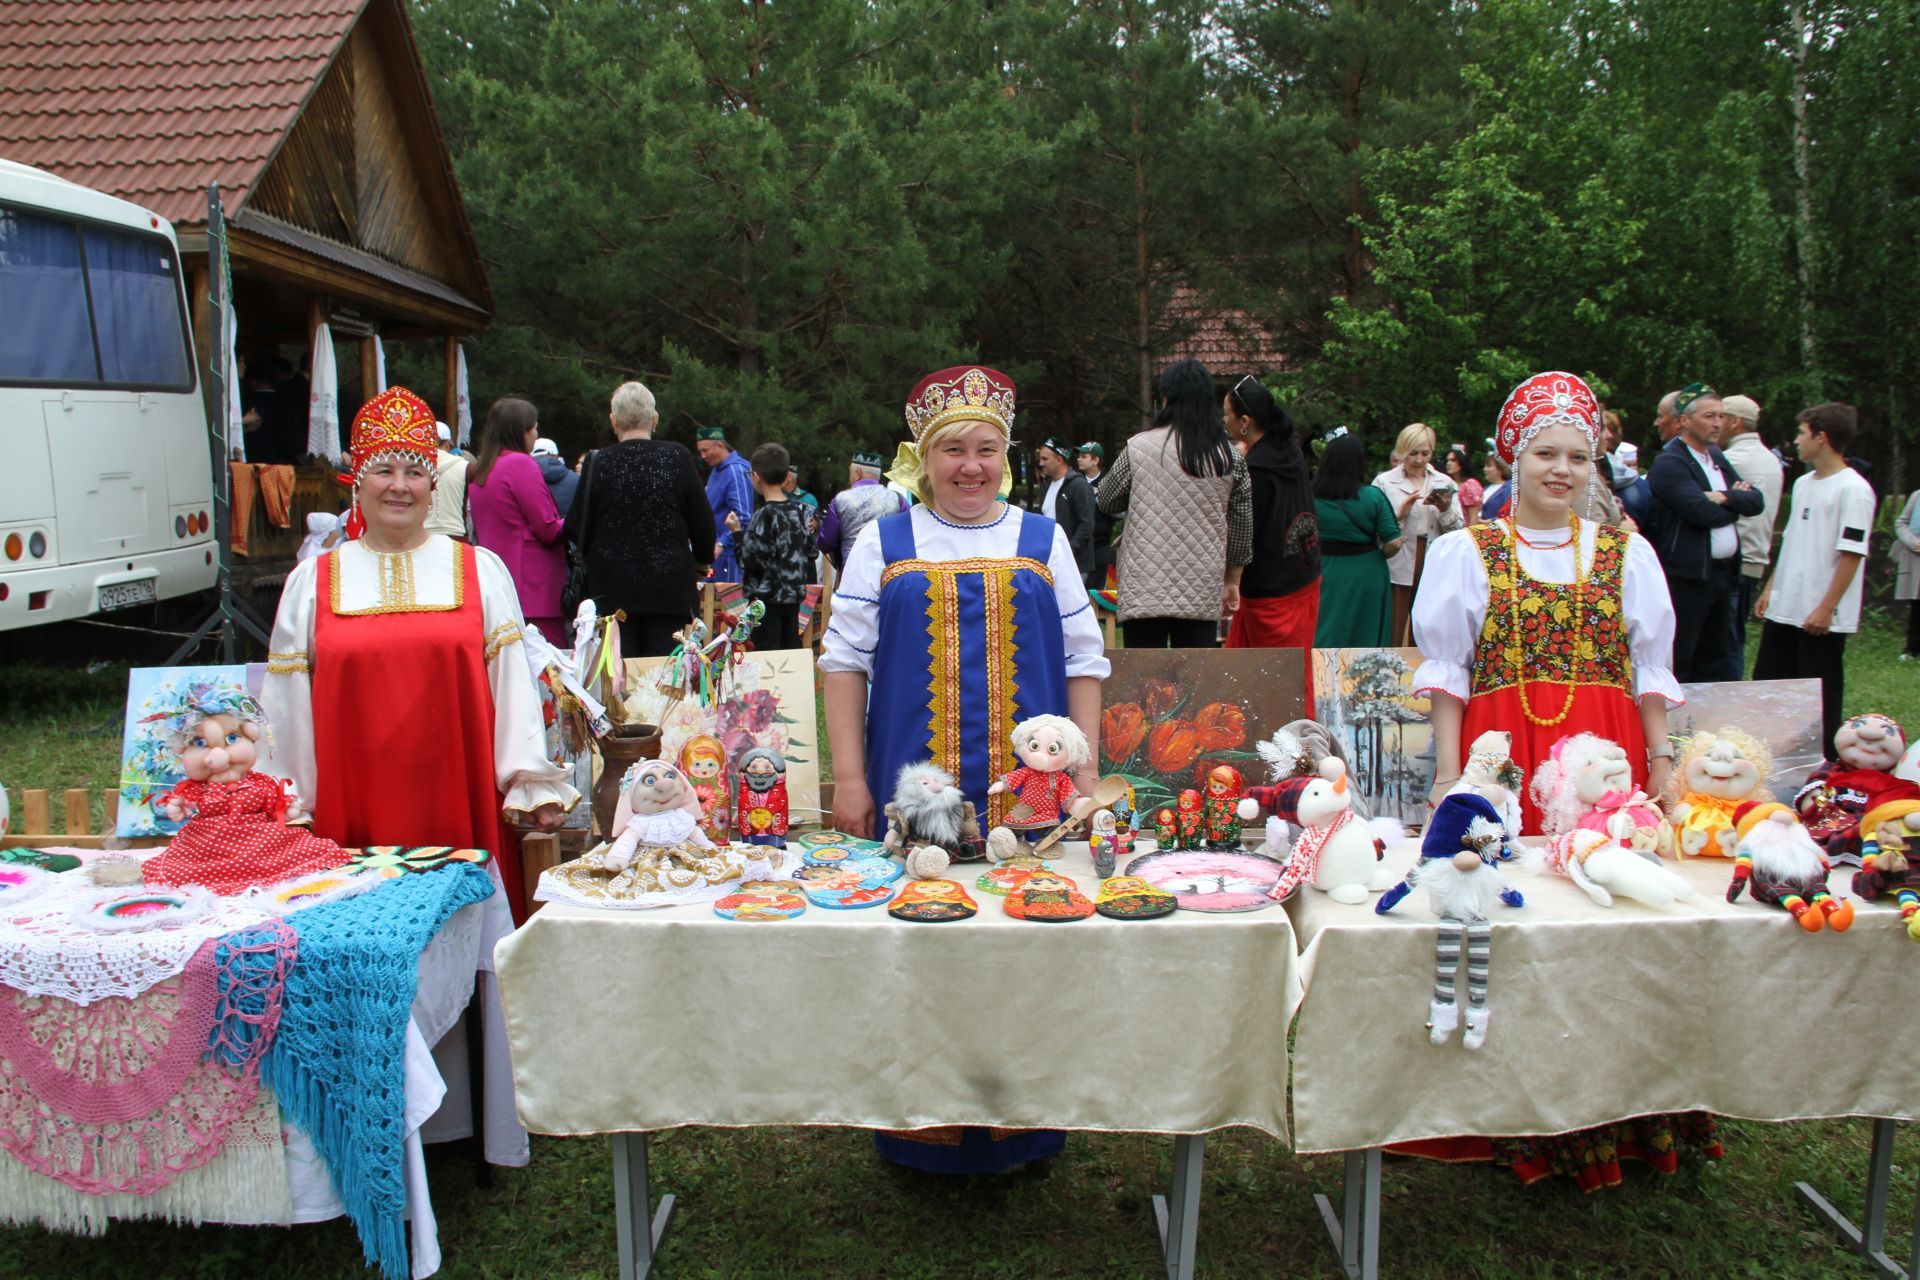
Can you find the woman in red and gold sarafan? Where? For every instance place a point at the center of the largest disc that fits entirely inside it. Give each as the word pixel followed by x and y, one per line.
pixel 402 706
pixel 1547 622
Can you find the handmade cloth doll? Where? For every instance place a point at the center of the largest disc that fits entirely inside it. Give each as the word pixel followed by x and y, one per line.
pixel 236 834
pixel 760 805
pixel 661 856
pixel 1219 816
pixel 1715 775
pixel 1587 782
pixel 929 809
pixel 1049 749
pixel 704 762
pixel 1336 852
pixel 1838 794
pixel 1885 867
pixel 1491 772
pixel 1600 833
pixel 1456 868
pixel 1787 869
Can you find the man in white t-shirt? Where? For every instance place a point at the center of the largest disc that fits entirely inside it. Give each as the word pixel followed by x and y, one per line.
pixel 1812 603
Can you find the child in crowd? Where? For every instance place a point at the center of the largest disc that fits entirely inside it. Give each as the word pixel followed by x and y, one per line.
pixel 776 552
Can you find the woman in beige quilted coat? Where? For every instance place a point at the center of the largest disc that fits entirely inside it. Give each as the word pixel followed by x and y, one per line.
pixel 1189 509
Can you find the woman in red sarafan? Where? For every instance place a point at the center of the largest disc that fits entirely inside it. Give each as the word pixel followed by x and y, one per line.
pixel 403 708
pixel 1548 623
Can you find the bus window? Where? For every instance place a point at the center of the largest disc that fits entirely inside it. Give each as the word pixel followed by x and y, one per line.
pixel 45 337
pixel 136 310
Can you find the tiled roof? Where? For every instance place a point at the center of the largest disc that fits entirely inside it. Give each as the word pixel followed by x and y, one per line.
pixel 149 100
pixel 1223 339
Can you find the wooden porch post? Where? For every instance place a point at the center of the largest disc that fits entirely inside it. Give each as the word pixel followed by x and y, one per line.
pixel 451 414
pixel 367 371
pixel 202 333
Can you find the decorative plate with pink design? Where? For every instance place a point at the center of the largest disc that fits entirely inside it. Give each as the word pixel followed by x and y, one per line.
pixel 1201 880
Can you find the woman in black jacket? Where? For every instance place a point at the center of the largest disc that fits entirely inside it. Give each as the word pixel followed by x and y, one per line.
pixel 641 519
pixel 1280 589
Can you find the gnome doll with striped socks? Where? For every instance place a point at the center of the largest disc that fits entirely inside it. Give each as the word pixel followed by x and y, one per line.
pixel 1457 867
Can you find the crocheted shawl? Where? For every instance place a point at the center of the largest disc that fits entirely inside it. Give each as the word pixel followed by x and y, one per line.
pixel 338 1062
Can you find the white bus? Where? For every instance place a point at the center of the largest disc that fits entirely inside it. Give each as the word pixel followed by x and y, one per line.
pixel 106 488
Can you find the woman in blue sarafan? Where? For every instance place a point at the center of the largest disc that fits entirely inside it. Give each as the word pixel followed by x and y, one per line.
pixel 953 621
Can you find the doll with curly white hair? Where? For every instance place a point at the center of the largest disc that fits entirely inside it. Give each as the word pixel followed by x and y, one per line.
pixel 1050 748
pixel 1603 833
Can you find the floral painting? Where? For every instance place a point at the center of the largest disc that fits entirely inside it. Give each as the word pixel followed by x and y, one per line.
pixel 769 703
pixel 148 766
pixel 1365 699
pixel 1169 715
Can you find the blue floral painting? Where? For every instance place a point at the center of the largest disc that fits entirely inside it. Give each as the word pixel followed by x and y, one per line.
pixel 148 765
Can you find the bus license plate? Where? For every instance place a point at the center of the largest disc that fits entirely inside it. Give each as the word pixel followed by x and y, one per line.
pixel 124 595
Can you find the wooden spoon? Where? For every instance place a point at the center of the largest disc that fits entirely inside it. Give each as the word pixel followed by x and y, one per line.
pixel 1105 793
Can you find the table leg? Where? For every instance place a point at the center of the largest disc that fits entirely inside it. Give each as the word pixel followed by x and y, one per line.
pixel 1869 1239
pixel 1356 1231
pixel 477 1086
pixel 638 1240
pixel 1178 1214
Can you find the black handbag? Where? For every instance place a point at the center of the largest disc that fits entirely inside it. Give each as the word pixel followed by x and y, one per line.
pixel 576 589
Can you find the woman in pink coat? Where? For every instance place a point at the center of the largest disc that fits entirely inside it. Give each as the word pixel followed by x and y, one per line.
pixel 513 513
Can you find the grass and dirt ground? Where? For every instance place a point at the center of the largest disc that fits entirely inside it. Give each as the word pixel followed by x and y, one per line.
pixel 818 1202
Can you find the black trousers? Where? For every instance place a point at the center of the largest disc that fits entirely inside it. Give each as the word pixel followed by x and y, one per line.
pixel 1913 628
pixel 1180 633
pixel 650 635
pixel 1788 653
pixel 779 628
pixel 1703 622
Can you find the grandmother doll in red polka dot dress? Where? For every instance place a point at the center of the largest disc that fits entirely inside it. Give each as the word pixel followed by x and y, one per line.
pixel 236 834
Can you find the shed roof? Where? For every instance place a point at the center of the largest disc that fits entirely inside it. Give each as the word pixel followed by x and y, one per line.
pixel 1222 338
pixel 153 99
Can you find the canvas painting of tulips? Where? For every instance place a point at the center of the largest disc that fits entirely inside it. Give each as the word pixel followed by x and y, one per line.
pixel 1365 699
pixel 1169 715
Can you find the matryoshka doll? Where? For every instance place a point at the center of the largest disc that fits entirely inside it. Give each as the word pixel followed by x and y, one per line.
pixel 1190 828
pixel 1217 809
pixel 704 760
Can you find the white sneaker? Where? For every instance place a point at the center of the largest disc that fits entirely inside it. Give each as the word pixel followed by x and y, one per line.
pixel 1476 1027
pixel 1443 1017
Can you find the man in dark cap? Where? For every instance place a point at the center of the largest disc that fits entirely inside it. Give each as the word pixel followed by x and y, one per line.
pixel 730 494
pixel 1091 459
pixel 1068 499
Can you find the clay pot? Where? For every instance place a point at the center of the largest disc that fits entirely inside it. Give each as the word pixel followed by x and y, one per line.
pixel 620 750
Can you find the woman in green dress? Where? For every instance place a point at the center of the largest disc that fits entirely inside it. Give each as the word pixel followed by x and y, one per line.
pixel 1357 534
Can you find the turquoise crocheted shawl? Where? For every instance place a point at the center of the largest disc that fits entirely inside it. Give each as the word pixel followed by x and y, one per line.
pixel 338 1060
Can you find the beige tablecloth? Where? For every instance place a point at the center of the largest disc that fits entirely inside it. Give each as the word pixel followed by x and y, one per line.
pixel 1599 1014
pixel 652 1019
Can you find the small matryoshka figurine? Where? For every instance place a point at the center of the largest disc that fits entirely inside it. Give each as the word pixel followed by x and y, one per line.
pixel 1219 818
pixel 1190 823
pixel 704 762
pixel 760 806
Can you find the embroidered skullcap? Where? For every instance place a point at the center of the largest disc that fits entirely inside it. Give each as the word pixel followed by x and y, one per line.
pixel 1684 398
pixel 869 458
pixel 1553 399
pixel 1095 448
pixel 711 433
pixel 965 392
pixel 394 424
pixel 1058 445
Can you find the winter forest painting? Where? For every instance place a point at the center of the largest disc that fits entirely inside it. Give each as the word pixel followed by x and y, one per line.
pixel 1365 699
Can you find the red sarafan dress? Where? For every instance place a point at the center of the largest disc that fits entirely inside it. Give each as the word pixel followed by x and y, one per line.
pixel 402 703
pixel 237 837
pixel 1544 645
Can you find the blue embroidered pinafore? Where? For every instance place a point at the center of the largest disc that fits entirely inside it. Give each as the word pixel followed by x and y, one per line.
pixel 968 648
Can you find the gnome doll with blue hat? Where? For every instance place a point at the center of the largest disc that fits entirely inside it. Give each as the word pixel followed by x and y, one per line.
pixel 1457 868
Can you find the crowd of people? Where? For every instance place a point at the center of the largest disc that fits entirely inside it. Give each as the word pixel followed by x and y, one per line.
pixel 1217 524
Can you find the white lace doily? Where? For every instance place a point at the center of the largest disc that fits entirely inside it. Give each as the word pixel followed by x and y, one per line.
pixel 43 953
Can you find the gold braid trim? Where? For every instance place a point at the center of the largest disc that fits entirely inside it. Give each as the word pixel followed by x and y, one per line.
pixel 500 637
pixel 998 586
pixel 943 678
pixel 948 569
pixel 395 570
pixel 293 662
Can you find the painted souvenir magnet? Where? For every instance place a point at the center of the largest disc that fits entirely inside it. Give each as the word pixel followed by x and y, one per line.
pixel 1004 877
pixel 1050 898
pixel 1202 880
pixel 763 900
pixel 848 873
pixel 933 901
pixel 1131 898
pixel 871 895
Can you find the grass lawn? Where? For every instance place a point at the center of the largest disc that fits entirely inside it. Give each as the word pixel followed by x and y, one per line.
pixel 818 1202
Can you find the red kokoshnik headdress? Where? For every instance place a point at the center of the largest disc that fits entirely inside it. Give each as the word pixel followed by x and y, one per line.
pixel 1552 399
pixel 964 392
pixel 394 424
